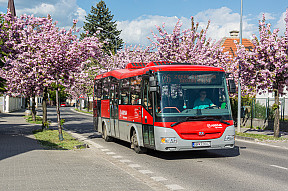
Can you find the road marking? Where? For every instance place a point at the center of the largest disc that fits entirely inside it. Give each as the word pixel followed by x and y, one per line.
pixel 134 165
pixel 264 144
pixel 145 171
pixel 94 144
pixel 281 167
pixel 174 187
pixel 110 153
pixel 125 161
pixel 158 178
pixel 105 150
pixel 117 157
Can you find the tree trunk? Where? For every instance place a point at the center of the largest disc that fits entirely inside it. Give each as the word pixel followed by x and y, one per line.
pixel 44 108
pixel 58 116
pixel 277 115
pixel 88 103
pixel 33 108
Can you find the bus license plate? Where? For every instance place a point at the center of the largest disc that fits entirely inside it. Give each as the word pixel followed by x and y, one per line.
pixel 201 144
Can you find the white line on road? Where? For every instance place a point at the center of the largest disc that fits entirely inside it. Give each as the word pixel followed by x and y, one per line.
pixel 158 178
pixel 110 153
pixel 265 144
pixel 281 167
pixel 145 171
pixel 174 187
pixel 117 157
pixel 125 161
pixel 134 165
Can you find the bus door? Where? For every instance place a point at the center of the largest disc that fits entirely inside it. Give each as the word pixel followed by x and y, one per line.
pixel 114 108
pixel 97 104
pixel 147 116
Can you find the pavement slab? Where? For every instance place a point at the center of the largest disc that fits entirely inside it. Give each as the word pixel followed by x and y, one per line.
pixel 26 165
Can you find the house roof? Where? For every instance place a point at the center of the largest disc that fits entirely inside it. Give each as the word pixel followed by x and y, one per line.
pixel 229 44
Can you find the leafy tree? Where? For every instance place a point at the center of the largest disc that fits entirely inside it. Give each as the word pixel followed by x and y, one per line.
pixel 45 55
pixel 189 45
pixel 100 22
pixel 266 66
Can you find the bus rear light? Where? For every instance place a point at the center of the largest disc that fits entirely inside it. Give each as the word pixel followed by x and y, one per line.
pixel 165 140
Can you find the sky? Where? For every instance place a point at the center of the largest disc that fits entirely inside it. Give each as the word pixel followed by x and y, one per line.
pixel 137 18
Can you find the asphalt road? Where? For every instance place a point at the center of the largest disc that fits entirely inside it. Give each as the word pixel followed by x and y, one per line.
pixel 248 166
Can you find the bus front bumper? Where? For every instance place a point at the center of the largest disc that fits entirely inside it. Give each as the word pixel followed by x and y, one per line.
pixel 166 139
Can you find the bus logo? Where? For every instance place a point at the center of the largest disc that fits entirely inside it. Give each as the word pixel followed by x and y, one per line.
pixel 201 133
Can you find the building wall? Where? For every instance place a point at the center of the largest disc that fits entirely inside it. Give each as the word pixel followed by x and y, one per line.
pixel 9 104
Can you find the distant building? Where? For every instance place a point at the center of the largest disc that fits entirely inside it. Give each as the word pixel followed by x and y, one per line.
pixel 229 43
pixel 264 99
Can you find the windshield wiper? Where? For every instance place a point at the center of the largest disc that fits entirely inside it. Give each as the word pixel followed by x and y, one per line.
pixel 193 118
pixel 221 120
pixel 204 118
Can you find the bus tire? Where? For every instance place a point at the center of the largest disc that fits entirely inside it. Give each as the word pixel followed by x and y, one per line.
pixel 104 134
pixel 134 144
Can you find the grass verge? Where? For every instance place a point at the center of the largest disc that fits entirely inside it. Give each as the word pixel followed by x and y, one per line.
pixel 50 139
pixel 30 120
pixel 261 137
pixel 83 111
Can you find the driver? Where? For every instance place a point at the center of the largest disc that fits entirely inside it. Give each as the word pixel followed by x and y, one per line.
pixel 202 102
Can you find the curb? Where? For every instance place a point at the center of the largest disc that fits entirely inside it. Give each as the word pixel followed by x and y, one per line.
pixel 245 138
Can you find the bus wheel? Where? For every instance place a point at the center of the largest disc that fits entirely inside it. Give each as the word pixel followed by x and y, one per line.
pixel 135 145
pixel 104 134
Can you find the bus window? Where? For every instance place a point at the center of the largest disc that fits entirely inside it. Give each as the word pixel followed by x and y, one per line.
pixel 125 92
pixel 106 87
pixel 98 89
pixel 135 90
pixel 147 97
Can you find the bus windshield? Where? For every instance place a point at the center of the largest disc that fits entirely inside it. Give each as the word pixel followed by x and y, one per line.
pixel 192 93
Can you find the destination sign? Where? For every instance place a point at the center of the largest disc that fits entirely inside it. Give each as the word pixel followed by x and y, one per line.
pixel 195 78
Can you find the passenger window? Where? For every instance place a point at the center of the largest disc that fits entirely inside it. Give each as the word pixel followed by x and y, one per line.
pixel 106 87
pixel 125 92
pixel 135 90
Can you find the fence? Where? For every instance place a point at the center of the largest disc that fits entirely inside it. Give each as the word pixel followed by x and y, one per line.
pixel 258 112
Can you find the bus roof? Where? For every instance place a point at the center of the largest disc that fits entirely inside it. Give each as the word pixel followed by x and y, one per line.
pixel 136 69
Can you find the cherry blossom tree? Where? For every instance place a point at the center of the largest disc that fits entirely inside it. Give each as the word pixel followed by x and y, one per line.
pixel 45 55
pixel 265 67
pixel 189 46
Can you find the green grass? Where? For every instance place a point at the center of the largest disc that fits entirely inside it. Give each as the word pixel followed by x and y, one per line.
pixel 30 120
pixel 50 140
pixel 261 137
pixel 82 111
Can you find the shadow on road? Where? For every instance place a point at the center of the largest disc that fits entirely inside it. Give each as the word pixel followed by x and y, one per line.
pixel 178 155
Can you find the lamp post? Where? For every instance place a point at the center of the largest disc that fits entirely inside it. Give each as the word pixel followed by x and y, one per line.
pixel 239 83
pixel 101 29
pixel 11 7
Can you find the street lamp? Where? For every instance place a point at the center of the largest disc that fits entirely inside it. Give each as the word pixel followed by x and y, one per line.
pixel 101 29
pixel 239 84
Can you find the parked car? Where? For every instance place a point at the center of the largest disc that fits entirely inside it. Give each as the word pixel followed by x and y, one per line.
pixel 63 104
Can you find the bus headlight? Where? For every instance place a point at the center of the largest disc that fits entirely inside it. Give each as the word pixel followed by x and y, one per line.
pixel 168 140
pixel 229 138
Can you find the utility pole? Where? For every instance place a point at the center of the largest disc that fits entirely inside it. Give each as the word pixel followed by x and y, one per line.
pixel 239 79
pixel 11 7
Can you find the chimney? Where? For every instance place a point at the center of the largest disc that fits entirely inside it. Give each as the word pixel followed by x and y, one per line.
pixel 234 34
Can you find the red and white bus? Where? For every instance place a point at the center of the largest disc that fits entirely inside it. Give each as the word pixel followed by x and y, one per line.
pixel 160 106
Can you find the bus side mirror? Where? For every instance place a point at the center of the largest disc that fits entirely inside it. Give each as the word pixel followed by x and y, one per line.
pixel 154 89
pixel 153 84
pixel 232 86
pixel 152 81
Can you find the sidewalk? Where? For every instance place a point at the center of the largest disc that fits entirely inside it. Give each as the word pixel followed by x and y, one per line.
pixel 25 165
pixel 280 143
